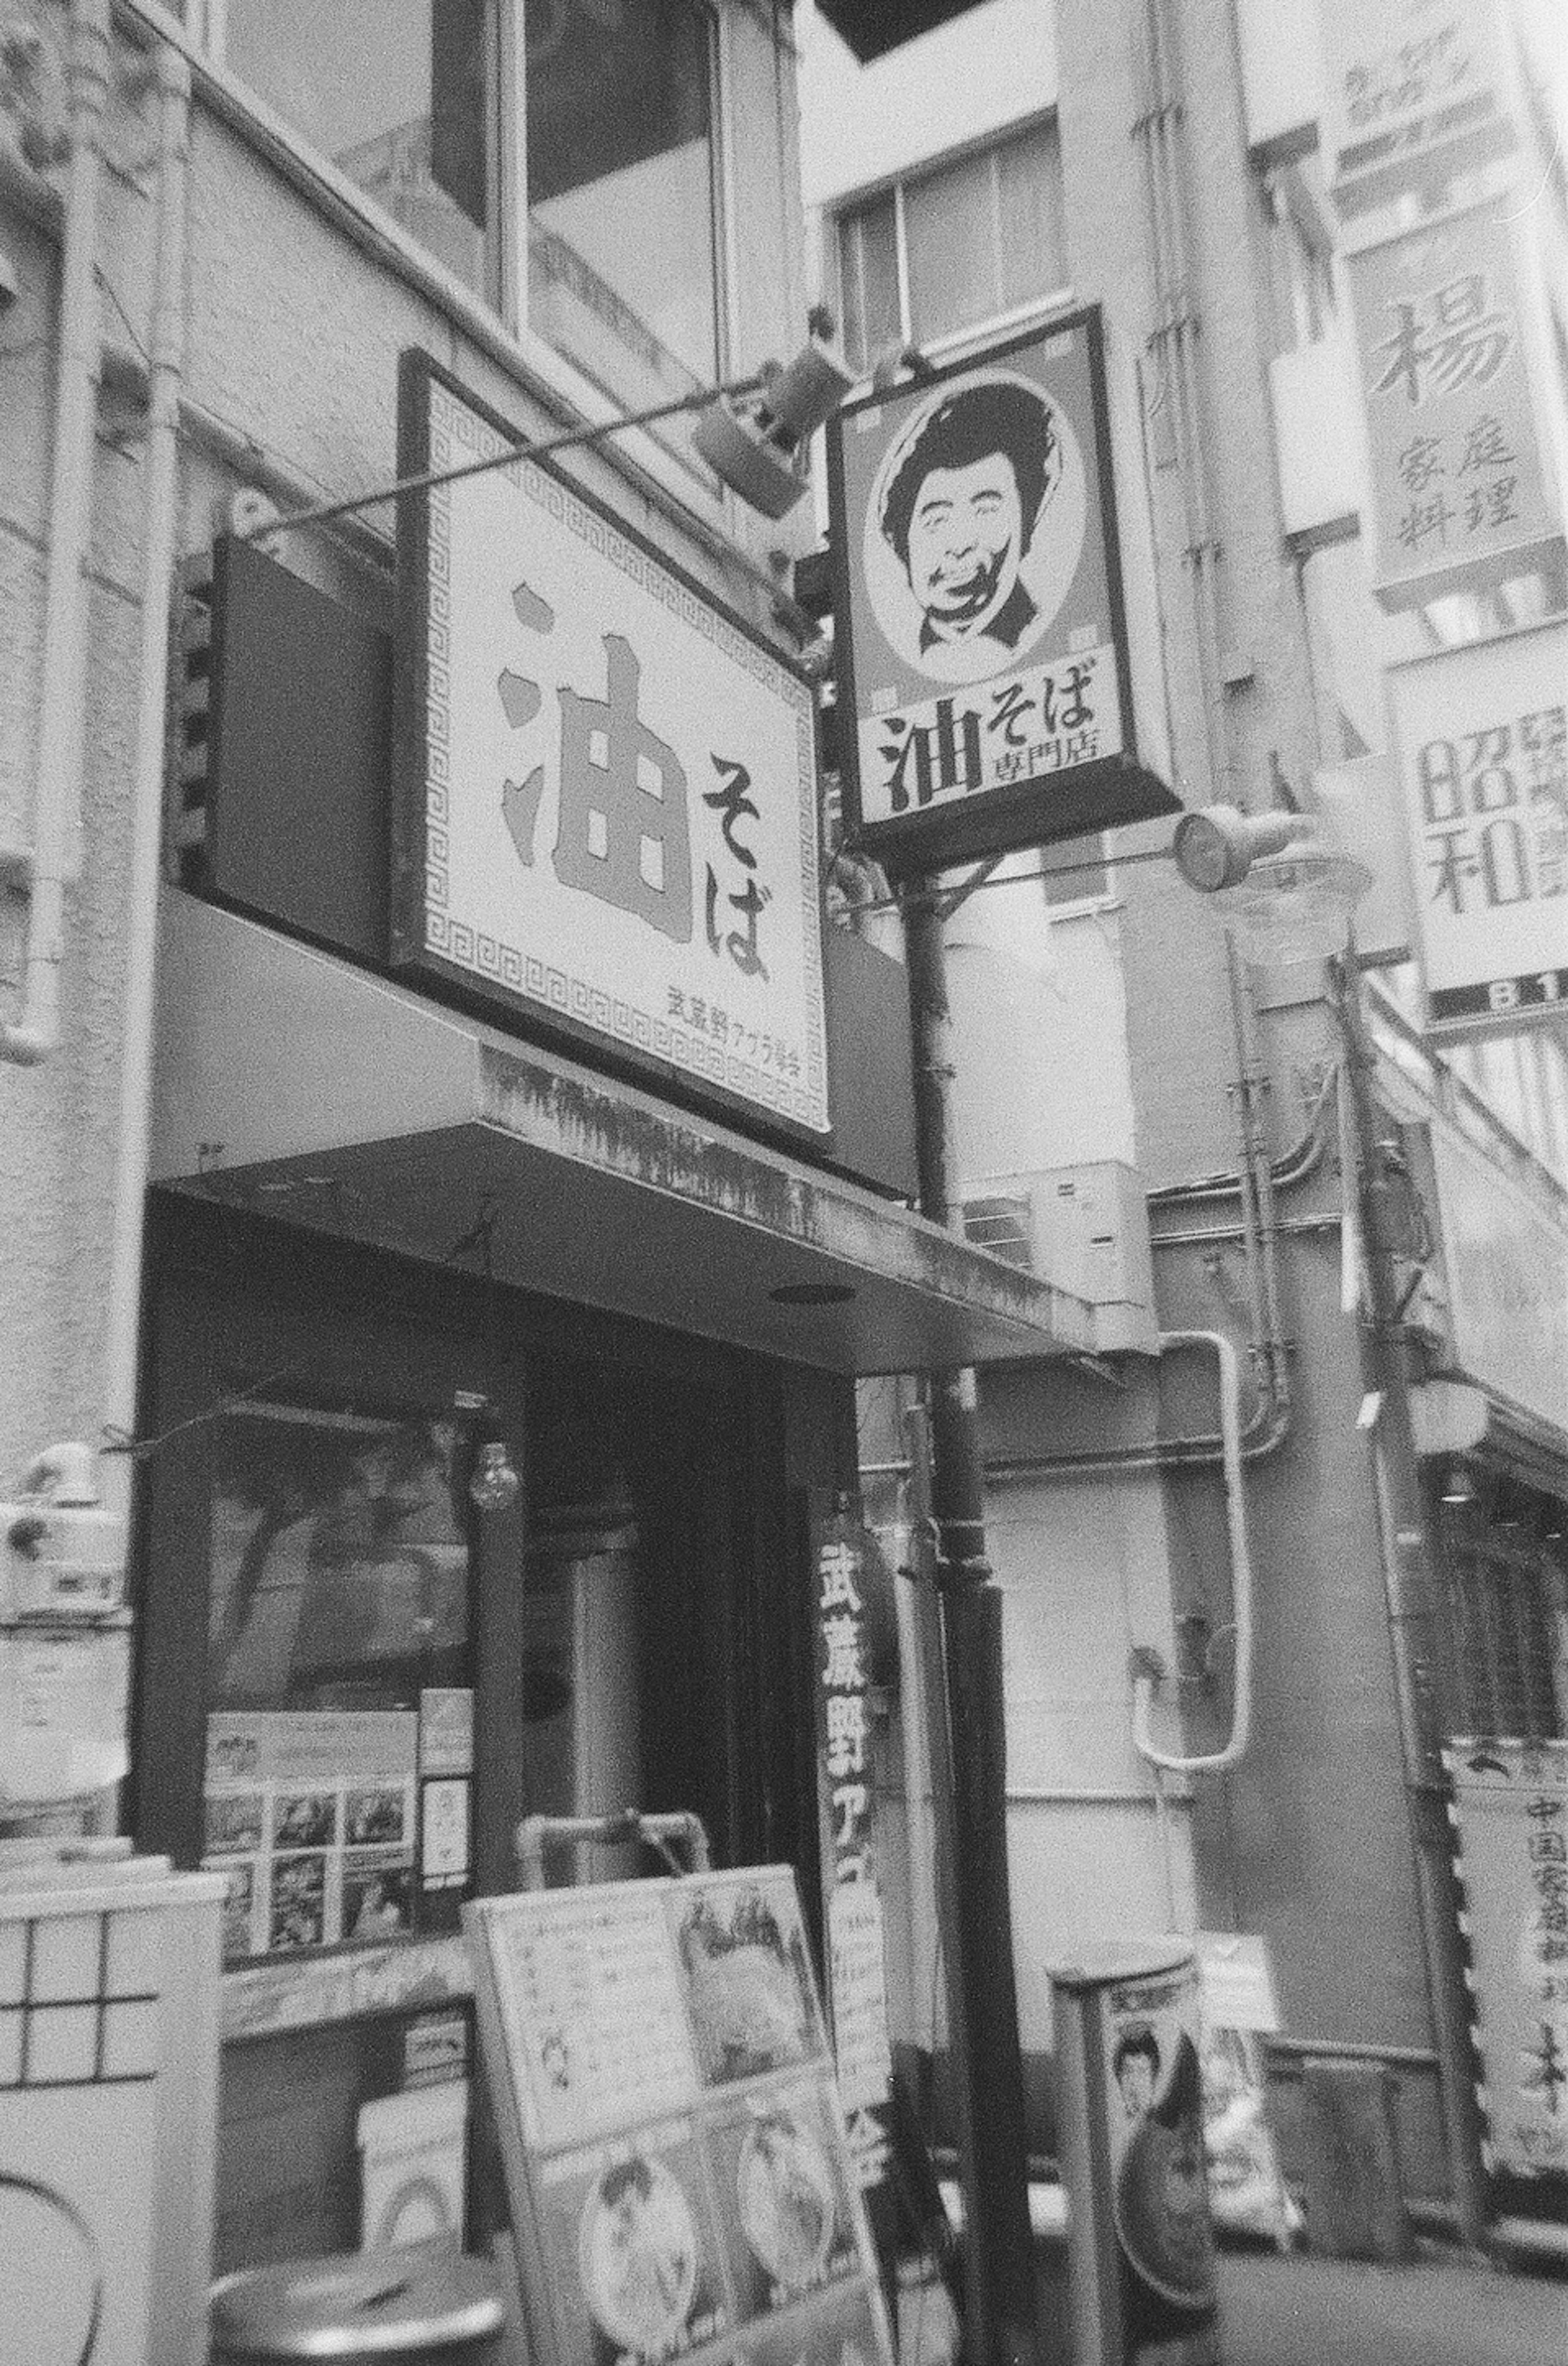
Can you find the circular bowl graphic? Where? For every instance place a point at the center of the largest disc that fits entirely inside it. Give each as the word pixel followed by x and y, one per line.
pixel 1162 2214
pixel 636 2255
pixel 786 2191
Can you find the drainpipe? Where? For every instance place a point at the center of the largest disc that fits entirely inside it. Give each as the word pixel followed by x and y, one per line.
pixel 160 508
pixel 44 869
pixel 1216 1762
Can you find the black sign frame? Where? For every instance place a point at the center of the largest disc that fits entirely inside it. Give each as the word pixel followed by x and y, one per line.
pixel 1051 804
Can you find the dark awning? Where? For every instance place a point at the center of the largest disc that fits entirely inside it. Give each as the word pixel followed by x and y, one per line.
pixel 293 1084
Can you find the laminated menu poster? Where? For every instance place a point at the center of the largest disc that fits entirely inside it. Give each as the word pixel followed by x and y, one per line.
pixel 672 2129
pixel 311 1817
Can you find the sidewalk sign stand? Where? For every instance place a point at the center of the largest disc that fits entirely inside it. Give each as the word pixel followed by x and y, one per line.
pixel 1140 2245
pixel 675 2149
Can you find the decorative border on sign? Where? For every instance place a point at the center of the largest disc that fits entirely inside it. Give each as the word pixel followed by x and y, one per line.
pixel 457 432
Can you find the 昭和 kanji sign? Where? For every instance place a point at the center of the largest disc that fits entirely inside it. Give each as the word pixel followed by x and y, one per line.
pixel 1460 492
pixel 984 696
pixel 608 809
pixel 1482 737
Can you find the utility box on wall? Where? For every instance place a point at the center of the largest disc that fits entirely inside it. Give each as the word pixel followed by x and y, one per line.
pixel 1084 1228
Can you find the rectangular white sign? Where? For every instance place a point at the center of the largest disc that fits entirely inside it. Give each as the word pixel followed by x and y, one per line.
pixel 1415 92
pixel 610 797
pixel 1484 766
pixel 1462 492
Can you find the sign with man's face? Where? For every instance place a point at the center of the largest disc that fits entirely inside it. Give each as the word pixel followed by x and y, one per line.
pixel 983 691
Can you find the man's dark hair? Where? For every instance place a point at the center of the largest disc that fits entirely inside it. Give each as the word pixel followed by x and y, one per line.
pixel 969 426
pixel 632 2175
pixel 1139 2039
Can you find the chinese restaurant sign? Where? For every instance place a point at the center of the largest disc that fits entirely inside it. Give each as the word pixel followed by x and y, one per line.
pixel 672 2137
pixel 608 788
pixel 1415 92
pixel 1461 495
pixel 984 699
pixel 1510 1819
pixel 847 1566
pixel 1484 763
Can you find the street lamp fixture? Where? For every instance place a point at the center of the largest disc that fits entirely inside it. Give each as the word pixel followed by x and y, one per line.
pixel 1287 891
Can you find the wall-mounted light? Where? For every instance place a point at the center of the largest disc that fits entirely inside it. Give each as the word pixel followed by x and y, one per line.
pixel 1459 1487
pixel 1276 877
pixel 493 1483
pixel 757 442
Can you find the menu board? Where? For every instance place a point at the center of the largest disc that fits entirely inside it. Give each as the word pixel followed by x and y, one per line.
pixel 671 2130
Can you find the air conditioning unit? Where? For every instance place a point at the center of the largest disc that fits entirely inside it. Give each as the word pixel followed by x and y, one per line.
pixel 1083 1229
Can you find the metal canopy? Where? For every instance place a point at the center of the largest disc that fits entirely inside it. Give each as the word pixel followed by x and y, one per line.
pixel 294 1084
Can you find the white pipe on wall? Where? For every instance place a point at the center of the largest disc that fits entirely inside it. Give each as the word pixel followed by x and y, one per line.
pixel 160 508
pixel 1218 1761
pixel 46 868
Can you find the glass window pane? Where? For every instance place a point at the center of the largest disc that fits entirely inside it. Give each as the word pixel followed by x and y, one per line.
pixel 1029 193
pixel 868 281
pixel 950 228
pixel 399 94
pixel 621 266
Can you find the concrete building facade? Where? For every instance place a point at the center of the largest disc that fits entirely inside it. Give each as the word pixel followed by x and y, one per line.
pixel 1174 1090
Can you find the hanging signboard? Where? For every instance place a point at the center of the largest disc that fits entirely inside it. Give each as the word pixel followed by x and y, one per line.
pixel 672 2135
pixel 1510 1817
pixel 1461 493
pixel 607 795
pixel 984 696
pixel 1415 93
pixel 1483 769
pixel 1504 1268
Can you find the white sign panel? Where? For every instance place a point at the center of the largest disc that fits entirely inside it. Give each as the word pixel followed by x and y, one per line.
pixel 1510 1819
pixel 1484 766
pixel 1505 1262
pixel 609 788
pixel 1415 92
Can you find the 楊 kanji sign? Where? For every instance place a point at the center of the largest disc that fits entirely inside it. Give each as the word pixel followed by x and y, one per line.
pixel 984 697
pixel 1460 493
pixel 1484 763
pixel 609 803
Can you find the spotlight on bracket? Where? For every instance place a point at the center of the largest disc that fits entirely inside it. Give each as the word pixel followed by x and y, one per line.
pixel 757 444
pixel 1279 877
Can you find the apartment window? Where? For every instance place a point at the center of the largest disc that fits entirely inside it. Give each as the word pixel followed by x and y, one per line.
pixel 946 249
pixel 615 101
pixel 402 95
pixel 622 274
pixel 1077 870
pixel 1301 249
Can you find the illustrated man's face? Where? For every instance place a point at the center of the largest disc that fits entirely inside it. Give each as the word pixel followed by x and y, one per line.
pixel 965 542
pixel 1136 2080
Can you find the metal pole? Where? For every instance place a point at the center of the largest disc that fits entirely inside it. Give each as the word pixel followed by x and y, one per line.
pixel 1411 1586
pixel 983 2018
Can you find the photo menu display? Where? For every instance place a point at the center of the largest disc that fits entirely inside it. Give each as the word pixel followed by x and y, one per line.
pixel 673 2137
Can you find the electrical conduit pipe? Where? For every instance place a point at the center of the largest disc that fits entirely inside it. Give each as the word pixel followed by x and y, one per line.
pixel 54 860
pixel 160 503
pixel 1215 1762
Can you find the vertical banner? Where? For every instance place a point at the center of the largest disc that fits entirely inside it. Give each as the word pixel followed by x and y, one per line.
pixel 1510 1819
pixel 1461 495
pixel 1483 769
pixel 1415 92
pixel 850 1591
